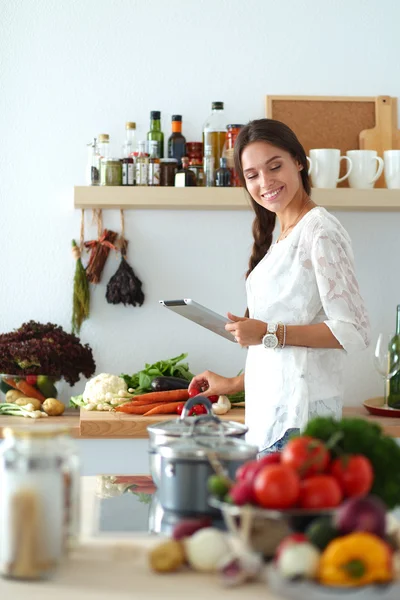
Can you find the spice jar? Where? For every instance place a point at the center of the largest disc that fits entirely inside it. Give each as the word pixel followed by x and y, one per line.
pixel 232 132
pixel 168 168
pixel 32 502
pixel 194 151
pixel 111 171
pixel 198 170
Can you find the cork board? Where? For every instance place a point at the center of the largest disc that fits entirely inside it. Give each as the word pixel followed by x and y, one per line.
pixel 325 121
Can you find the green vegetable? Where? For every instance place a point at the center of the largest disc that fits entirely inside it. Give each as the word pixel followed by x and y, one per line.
pixel 141 381
pixel 321 531
pixel 358 436
pixel 20 411
pixel 77 401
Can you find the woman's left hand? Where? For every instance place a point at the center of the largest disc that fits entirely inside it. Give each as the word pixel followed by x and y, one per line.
pixel 247 332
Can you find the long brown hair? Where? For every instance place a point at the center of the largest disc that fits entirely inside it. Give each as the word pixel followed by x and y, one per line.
pixel 280 135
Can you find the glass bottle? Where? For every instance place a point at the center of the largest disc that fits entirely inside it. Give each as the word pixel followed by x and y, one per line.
pixel 223 174
pixel 104 145
pixel 185 177
pixel 93 164
pixel 155 132
pixel 128 154
pixel 176 141
pixel 208 164
pixel 142 163
pixel 394 382
pixel 130 139
pixel 154 164
pixel 32 503
pixel 214 131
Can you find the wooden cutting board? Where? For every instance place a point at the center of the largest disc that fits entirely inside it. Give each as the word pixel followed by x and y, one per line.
pixel 385 135
pixel 118 425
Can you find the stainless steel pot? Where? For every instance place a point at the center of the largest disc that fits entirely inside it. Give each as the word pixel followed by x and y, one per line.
pixel 186 465
pixel 165 432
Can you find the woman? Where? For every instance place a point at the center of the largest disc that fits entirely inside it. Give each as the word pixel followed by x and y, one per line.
pixel 305 310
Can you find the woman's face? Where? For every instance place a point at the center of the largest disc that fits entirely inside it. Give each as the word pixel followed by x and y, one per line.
pixel 272 175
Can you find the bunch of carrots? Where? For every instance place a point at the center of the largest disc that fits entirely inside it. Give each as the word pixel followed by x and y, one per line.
pixel 154 403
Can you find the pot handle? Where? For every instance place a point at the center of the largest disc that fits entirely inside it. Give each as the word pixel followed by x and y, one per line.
pixel 197 400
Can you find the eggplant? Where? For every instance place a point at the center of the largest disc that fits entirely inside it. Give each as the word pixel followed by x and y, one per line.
pixel 165 384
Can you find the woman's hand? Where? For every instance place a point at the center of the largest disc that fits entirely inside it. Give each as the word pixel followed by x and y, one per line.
pixel 247 332
pixel 212 384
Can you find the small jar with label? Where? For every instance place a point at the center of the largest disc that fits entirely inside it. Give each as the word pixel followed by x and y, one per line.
pixel 32 502
pixel 168 168
pixel 111 171
pixel 128 171
pixel 194 151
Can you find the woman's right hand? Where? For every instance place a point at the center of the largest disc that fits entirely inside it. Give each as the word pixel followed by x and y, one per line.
pixel 211 384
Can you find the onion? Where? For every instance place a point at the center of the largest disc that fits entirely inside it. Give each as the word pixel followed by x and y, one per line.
pixel 362 514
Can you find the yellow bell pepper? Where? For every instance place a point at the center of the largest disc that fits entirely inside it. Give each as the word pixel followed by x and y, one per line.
pixel 354 560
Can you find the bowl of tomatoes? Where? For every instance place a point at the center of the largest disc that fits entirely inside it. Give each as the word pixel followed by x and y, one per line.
pixel 285 492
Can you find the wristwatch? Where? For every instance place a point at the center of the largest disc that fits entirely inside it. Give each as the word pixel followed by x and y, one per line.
pixel 270 339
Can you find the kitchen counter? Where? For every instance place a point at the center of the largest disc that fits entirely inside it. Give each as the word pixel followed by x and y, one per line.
pixel 99 425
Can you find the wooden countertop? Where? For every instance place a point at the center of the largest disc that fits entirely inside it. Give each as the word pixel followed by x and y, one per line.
pixel 95 424
pixel 129 426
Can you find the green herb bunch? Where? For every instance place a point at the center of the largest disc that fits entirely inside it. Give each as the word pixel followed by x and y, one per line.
pixel 45 349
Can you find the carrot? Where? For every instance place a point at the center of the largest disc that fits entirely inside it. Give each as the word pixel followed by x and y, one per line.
pixel 163 409
pixel 169 396
pixel 137 410
pixel 29 390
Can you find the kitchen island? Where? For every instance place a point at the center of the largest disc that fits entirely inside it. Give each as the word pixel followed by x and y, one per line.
pixel 119 443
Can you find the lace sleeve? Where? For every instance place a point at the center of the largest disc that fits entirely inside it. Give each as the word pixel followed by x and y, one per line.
pixel 332 260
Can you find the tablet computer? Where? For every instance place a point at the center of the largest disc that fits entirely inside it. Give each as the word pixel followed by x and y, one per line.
pixel 201 315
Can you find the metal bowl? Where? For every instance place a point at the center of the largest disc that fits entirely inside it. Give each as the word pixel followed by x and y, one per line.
pixel 266 528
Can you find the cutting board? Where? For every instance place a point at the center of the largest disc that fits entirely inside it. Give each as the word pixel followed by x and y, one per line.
pixel 118 425
pixel 385 135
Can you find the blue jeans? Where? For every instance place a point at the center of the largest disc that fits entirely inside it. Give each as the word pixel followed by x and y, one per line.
pixel 279 444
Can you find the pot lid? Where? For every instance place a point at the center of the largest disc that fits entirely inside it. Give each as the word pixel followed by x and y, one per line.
pixel 182 427
pixel 198 447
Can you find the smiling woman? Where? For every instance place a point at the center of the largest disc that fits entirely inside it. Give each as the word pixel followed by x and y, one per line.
pixel 305 310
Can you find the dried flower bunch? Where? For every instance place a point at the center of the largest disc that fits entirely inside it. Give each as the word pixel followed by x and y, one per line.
pixel 45 349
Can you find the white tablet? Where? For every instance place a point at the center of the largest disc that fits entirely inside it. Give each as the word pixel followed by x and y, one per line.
pixel 201 315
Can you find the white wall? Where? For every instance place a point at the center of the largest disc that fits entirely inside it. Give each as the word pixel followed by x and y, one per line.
pixel 71 69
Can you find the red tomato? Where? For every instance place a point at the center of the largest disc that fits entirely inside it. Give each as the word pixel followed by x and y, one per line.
pixel 320 491
pixel 354 474
pixel 179 408
pixel 213 398
pixel 249 470
pixel 276 486
pixel 306 455
pixel 31 379
pixel 194 390
pixel 199 409
pixel 293 538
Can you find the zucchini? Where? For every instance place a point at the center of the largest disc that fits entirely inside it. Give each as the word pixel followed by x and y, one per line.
pixel 165 384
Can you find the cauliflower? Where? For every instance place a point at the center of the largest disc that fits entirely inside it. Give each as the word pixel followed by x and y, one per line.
pixel 98 387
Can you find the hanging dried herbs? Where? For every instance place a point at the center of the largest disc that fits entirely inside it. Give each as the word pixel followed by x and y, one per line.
pixel 81 293
pixel 99 251
pixel 124 286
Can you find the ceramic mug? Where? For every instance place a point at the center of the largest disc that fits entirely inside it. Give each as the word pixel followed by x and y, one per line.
pixel 367 168
pixel 325 167
pixel 392 168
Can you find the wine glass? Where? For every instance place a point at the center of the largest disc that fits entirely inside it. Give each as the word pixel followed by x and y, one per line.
pixel 386 362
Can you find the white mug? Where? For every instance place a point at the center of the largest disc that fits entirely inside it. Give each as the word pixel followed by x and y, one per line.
pixel 325 167
pixel 392 169
pixel 367 168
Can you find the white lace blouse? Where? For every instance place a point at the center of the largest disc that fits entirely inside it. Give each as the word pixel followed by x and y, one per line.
pixel 306 278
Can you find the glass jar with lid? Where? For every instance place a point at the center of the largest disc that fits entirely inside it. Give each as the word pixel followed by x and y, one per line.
pixel 111 171
pixel 168 168
pixel 33 525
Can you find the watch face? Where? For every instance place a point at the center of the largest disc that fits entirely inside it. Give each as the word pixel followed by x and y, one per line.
pixel 270 340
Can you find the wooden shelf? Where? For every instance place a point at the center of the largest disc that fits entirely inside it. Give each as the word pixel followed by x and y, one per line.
pixel 199 198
